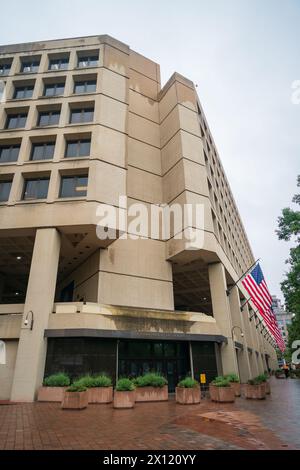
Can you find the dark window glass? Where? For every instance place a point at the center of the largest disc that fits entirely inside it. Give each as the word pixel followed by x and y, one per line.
pixel 15 121
pixel 36 189
pixel 30 66
pixel 88 61
pixel 48 118
pixel 59 64
pixel 53 89
pixel 73 186
pixel 78 148
pixel 42 151
pixel 23 92
pixel 5 68
pixel 88 86
pixel 9 153
pixel 4 190
pixel 81 115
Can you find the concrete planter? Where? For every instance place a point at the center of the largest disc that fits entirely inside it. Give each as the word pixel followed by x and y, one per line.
pixel 188 396
pixel 214 392
pixel 51 394
pixel 151 394
pixel 255 392
pixel 75 400
pixel 236 387
pixel 100 394
pixel 226 395
pixel 124 399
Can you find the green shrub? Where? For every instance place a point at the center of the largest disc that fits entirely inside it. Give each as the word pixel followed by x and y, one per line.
pixel 89 381
pixel 57 380
pixel 232 378
pixel 125 385
pixel 76 388
pixel 261 378
pixel 150 380
pixel 220 378
pixel 254 381
pixel 221 381
pixel 188 382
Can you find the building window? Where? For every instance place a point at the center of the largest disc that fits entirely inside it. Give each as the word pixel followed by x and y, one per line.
pixel 59 64
pixel 9 153
pixel 42 150
pixel 5 68
pixel 54 89
pixel 78 148
pixel 23 92
pixel 86 86
pixel 15 121
pixel 73 186
pixel 30 65
pixel 35 189
pixel 4 190
pixel 88 61
pixel 81 115
pixel 48 118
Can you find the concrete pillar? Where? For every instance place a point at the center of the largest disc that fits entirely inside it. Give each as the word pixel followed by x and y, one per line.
pixel 255 366
pixel 221 312
pixel 249 335
pixel 32 347
pixel 257 340
pixel 238 320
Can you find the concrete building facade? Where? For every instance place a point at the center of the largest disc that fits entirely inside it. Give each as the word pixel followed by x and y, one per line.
pixel 283 317
pixel 83 123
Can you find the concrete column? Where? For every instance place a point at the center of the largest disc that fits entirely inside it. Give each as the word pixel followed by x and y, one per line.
pixel 249 335
pixel 238 320
pixel 221 312
pixel 257 342
pixel 32 347
pixel 1 285
pixel 254 364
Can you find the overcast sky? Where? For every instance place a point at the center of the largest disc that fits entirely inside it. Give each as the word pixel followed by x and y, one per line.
pixel 244 56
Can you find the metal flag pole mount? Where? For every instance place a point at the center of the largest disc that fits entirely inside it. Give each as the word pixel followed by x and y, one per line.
pixel 244 274
pixel 245 303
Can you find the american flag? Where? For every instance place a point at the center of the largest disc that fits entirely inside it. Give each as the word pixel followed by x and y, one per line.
pixel 256 286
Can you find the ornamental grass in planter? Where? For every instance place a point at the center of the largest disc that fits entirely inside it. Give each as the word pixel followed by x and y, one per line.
pixel 124 395
pixel 54 387
pixel 279 374
pixel 255 389
pixel 75 398
pixel 188 392
pixel 221 390
pixel 234 381
pixel 99 387
pixel 151 387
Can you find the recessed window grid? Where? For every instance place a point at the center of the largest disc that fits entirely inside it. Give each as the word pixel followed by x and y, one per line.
pixel 5 187
pixel 88 61
pixel 9 153
pixel 42 150
pixel 81 115
pixel 86 86
pixel 5 68
pixel 78 148
pixel 16 121
pixel 73 186
pixel 48 118
pixel 59 64
pixel 54 89
pixel 23 92
pixel 35 189
pixel 30 66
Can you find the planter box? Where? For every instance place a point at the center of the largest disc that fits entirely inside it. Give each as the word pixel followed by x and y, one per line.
pixel 255 392
pixel 236 386
pixel 124 399
pixel 75 400
pixel 151 393
pixel 188 396
pixel 226 394
pixel 214 392
pixel 51 393
pixel 100 394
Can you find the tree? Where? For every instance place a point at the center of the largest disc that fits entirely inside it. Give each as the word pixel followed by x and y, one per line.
pixel 289 229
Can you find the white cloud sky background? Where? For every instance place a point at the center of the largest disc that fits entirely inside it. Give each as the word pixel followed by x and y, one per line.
pixel 244 56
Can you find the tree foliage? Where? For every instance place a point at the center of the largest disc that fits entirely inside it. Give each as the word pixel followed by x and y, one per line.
pixel 289 230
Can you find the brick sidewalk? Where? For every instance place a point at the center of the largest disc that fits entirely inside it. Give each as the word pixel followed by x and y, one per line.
pixel 269 424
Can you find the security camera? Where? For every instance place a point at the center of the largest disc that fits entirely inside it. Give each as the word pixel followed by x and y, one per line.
pixel 242 335
pixel 26 322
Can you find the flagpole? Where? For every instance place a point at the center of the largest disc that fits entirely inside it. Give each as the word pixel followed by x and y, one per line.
pixel 244 274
